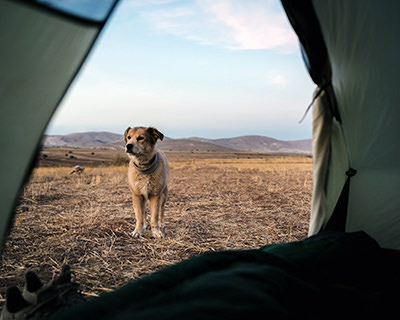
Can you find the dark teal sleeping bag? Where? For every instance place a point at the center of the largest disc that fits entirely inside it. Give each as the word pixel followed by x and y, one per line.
pixel 328 276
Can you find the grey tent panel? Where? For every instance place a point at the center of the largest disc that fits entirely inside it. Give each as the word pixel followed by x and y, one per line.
pixel 362 45
pixel 41 53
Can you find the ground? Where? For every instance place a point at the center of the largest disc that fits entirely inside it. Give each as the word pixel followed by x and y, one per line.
pixel 225 202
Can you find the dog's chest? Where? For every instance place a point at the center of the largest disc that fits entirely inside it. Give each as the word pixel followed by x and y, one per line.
pixel 144 186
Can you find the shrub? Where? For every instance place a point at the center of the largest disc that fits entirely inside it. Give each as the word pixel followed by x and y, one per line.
pixel 120 161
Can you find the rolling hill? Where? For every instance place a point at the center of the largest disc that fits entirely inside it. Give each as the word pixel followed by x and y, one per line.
pixel 251 143
pixel 83 140
pixel 262 144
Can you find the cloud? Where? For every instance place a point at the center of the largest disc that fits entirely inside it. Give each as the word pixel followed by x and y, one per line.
pixel 254 24
pixel 279 80
pixel 143 3
pixel 232 24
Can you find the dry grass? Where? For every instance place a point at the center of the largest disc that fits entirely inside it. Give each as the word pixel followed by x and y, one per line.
pixel 214 204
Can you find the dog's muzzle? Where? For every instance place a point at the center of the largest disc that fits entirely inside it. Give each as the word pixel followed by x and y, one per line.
pixel 129 148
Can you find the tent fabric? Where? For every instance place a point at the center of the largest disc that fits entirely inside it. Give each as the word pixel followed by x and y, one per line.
pixel 363 52
pixel 322 127
pixel 41 52
pixel 329 170
pixel 328 276
pixel 326 117
pixel 302 16
pixel 362 49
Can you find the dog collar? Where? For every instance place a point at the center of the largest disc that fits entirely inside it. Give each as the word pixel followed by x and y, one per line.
pixel 148 167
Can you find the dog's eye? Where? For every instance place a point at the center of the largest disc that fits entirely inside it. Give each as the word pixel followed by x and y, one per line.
pixel 128 137
pixel 139 138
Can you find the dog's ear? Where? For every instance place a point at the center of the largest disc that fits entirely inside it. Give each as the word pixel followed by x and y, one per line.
pixel 155 133
pixel 126 133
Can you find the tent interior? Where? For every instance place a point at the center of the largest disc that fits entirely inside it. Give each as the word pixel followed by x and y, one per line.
pixel 349 266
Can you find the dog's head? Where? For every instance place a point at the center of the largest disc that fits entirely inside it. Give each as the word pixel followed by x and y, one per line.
pixel 140 141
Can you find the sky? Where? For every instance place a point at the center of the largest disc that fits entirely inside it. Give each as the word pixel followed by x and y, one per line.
pixel 192 68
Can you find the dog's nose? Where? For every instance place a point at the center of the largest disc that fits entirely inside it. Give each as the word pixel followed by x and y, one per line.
pixel 129 146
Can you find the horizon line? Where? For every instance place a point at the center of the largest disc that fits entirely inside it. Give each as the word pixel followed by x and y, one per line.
pixel 168 137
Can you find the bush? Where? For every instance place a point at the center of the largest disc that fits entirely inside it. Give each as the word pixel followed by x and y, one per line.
pixel 120 161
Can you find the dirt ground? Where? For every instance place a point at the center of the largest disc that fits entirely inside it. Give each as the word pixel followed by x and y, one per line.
pixel 214 204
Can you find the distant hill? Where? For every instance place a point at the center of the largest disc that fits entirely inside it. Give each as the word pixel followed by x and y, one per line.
pixel 265 144
pixel 191 145
pixel 107 140
pixel 85 140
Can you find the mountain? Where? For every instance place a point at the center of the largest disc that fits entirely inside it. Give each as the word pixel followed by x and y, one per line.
pixel 191 145
pixel 107 140
pixel 265 144
pixel 84 140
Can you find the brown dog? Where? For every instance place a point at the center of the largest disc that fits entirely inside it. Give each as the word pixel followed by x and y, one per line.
pixel 148 177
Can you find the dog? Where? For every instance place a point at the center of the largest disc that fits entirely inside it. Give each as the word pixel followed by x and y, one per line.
pixel 148 177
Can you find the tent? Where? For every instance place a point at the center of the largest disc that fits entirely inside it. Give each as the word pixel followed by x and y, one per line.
pixel 349 265
pixel 43 45
pixel 350 49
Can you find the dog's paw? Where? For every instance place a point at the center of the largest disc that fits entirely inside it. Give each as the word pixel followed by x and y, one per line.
pixel 157 233
pixel 136 234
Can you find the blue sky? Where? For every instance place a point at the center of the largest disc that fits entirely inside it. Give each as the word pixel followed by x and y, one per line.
pixel 206 68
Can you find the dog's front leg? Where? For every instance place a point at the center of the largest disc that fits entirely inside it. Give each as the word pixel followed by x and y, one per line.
pixel 162 207
pixel 155 203
pixel 139 207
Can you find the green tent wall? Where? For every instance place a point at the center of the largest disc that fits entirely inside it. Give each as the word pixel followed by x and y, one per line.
pixel 351 50
pixel 42 47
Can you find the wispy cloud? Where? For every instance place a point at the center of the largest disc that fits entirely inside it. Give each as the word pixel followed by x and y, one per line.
pixel 143 3
pixel 278 80
pixel 232 24
pixel 253 24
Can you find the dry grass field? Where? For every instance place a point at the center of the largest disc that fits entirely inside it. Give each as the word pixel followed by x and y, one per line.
pixel 214 204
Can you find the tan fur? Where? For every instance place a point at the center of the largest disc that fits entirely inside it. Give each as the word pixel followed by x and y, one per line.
pixel 140 146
